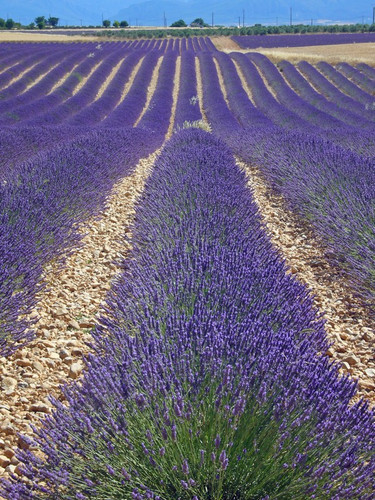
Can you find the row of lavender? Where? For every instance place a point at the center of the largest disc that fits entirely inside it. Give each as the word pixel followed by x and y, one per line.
pixel 42 203
pixel 329 185
pixel 44 199
pixel 271 41
pixel 208 379
pixel 50 102
pixel 351 244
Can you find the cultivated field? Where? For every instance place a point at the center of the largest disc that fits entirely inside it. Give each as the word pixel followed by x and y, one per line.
pixel 188 242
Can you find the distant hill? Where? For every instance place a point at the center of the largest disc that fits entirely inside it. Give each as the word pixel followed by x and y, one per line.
pixel 151 13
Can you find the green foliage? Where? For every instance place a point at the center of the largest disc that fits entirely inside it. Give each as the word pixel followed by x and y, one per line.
pixel 198 22
pixel 9 24
pixel 124 24
pixel 53 21
pixel 116 24
pixel 179 24
pixel 106 23
pixel 2 22
pixel 257 29
pixel 40 21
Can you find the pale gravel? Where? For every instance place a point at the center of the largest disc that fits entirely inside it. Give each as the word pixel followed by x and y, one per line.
pixel 108 80
pixel 83 80
pixel 176 88
pixel 348 325
pixel 63 79
pixel 151 89
pixel 67 310
pixel 200 90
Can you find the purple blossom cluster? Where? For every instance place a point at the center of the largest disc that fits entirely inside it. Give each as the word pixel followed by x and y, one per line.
pixel 331 187
pixel 346 85
pixel 325 182
pixel 127 112
pixel 263 99
pixel 157 117
pixel 42 201
pixel 349 116
pixel 69 58
pixel 303 40
pixel 209 378
pixel 356 76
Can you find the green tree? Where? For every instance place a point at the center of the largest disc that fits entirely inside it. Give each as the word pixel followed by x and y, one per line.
pixel 40 21
pixel 106 23
pixel 53 21
pixel 116 24
pixel 9 24
pixel 124 24
pixel 179 24
pixel 199 23
pixel 2 22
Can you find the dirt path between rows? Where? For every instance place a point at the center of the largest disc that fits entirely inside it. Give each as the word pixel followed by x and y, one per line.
pixel 347 323
pixel 151 89
pixel 67 311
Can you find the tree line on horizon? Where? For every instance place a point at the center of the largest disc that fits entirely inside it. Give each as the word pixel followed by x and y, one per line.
pixel 197 24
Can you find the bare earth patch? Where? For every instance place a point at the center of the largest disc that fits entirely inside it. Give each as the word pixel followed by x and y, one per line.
pixel 352 53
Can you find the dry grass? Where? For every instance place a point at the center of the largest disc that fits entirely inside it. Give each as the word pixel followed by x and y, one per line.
pixel 15 36
pixel 352 53
pixel 225 43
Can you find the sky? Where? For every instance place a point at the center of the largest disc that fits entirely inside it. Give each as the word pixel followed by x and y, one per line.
pixel 226 12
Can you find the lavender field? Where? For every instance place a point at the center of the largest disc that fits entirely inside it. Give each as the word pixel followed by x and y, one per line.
pixel 303 40
pixel 210 369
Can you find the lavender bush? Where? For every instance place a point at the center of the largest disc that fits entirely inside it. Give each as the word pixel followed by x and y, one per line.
pixel 42 202
pixel 209 379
